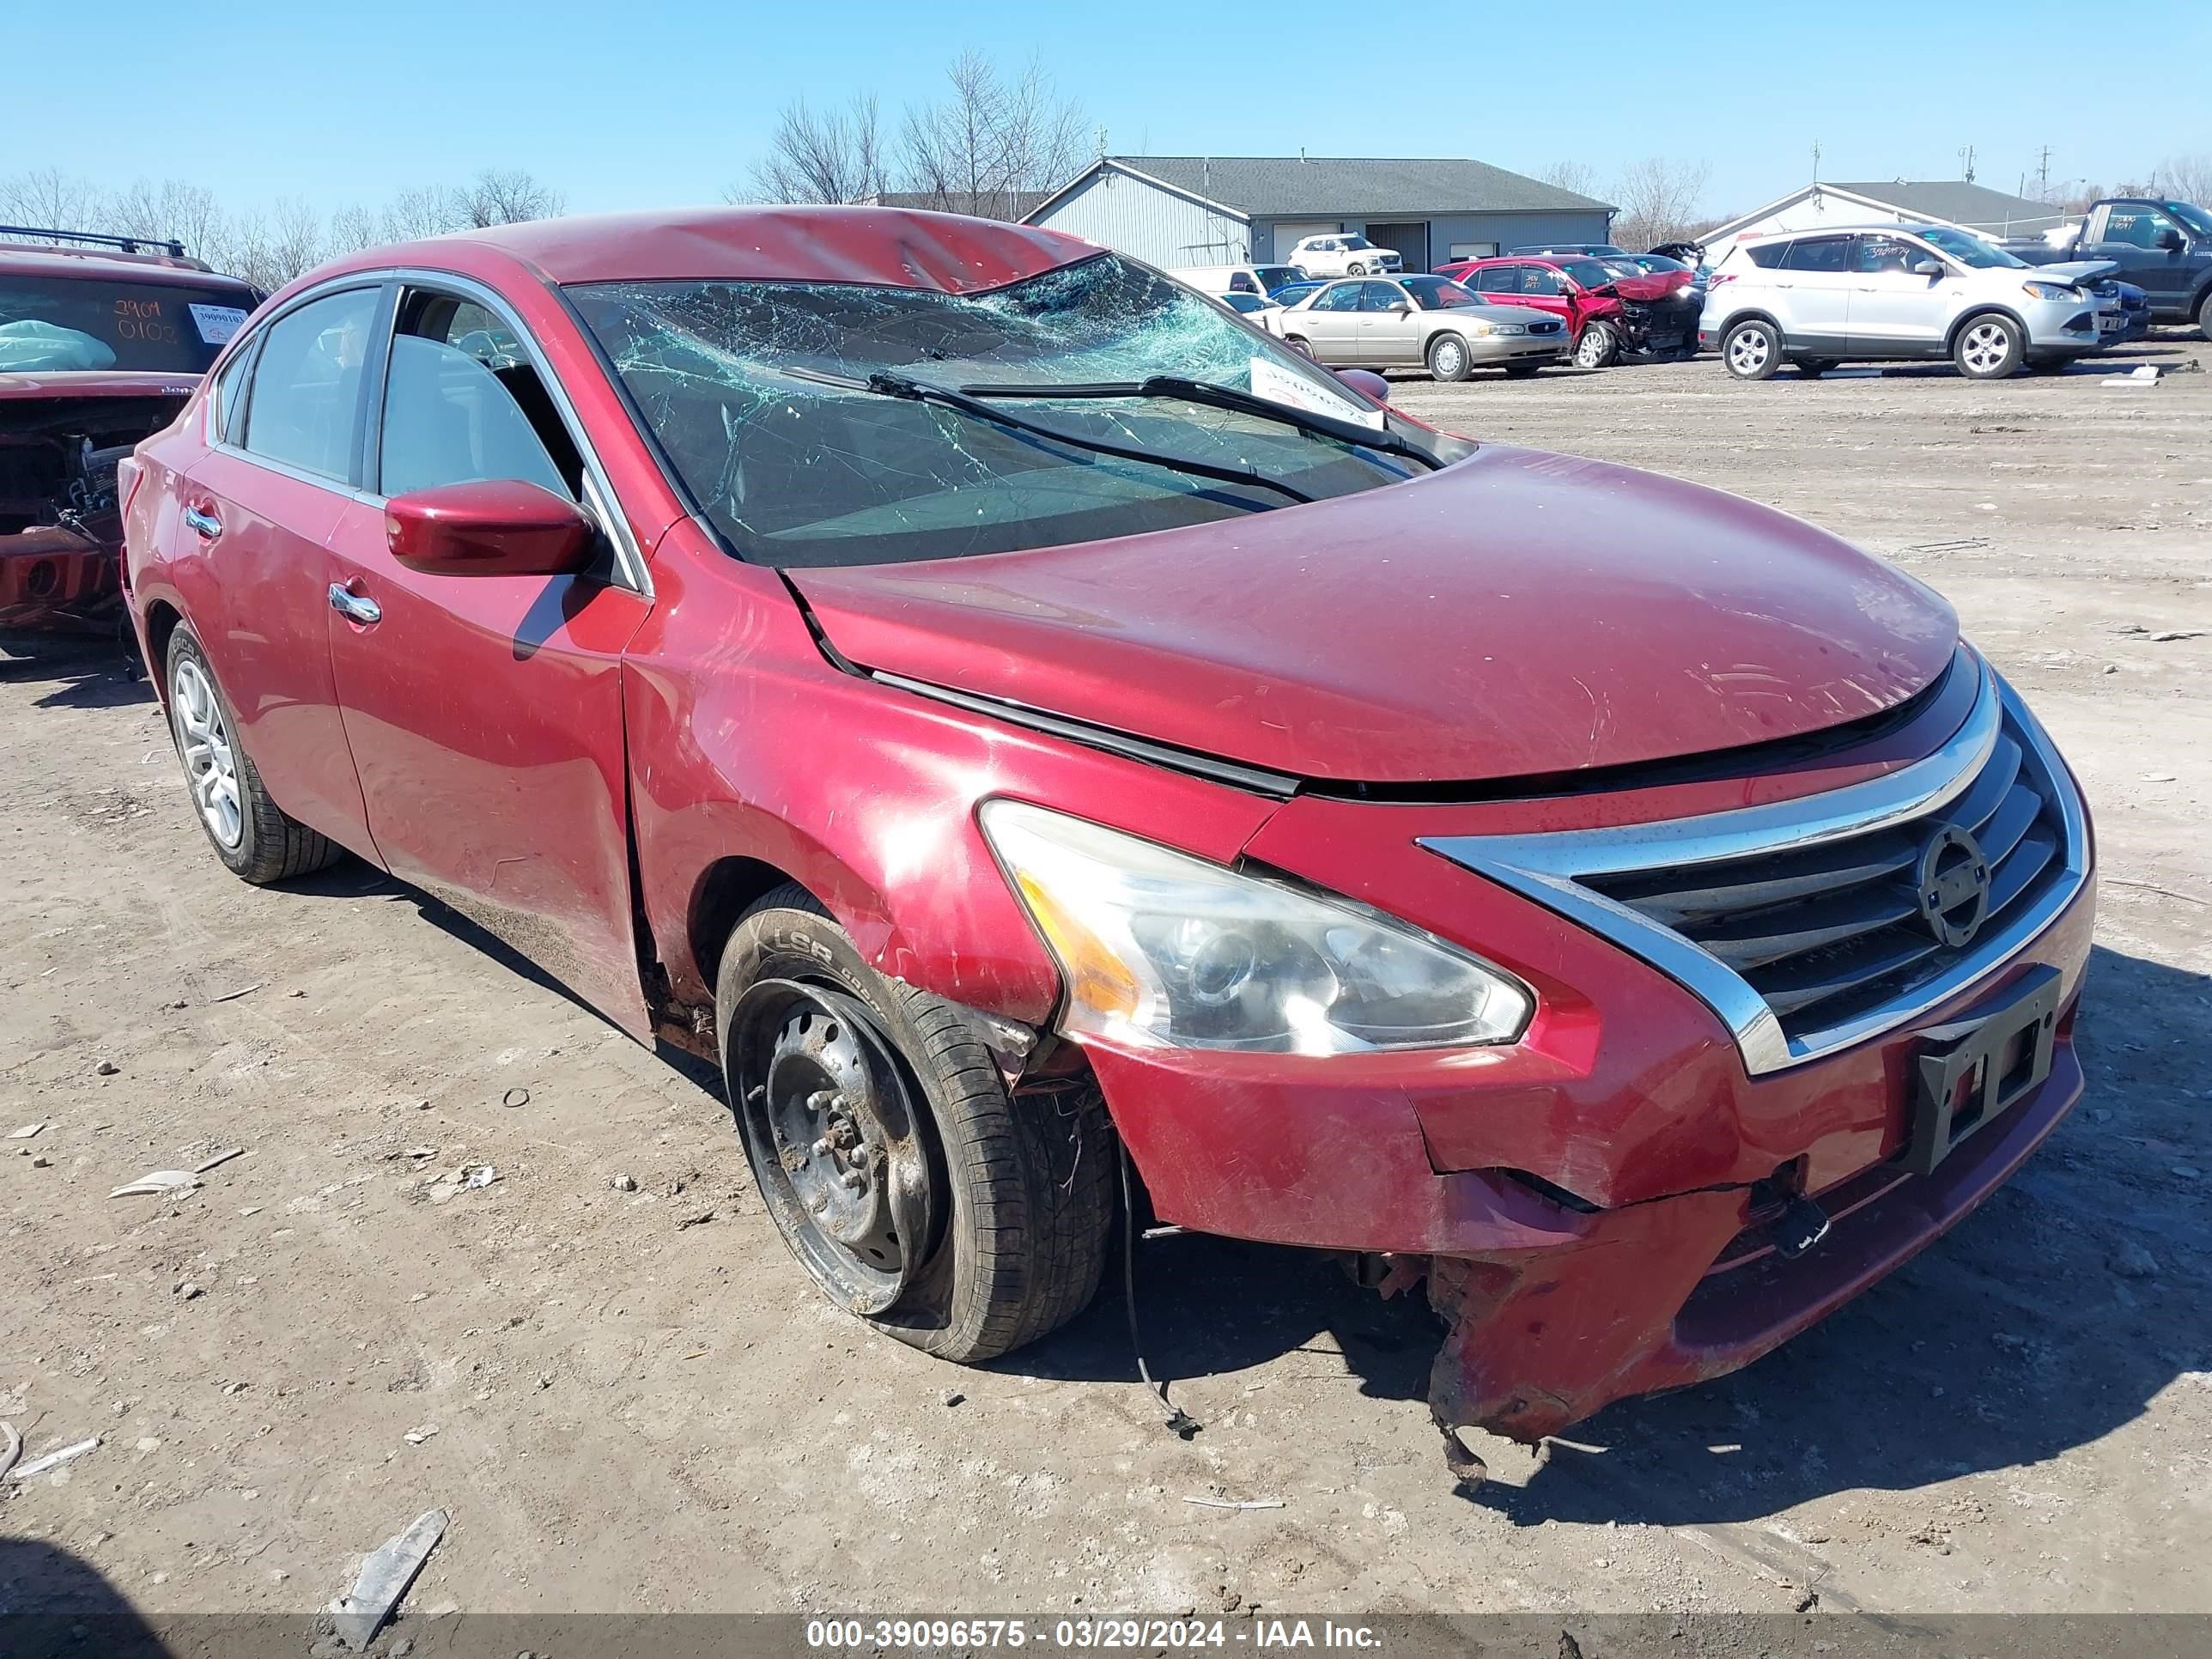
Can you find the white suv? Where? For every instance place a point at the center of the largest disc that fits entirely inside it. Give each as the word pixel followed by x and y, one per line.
pixel 1345 255
pixel 1815 298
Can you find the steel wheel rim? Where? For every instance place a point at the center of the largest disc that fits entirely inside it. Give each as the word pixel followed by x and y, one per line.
pixel 1749 351
pixel 204 744
pixel 829 1118
pixel 1987 345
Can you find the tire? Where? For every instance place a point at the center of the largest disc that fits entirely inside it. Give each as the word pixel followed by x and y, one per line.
pixel 1990 346
pixel 1752 349
pixel 1357 268
pixel 256 839
pixel 1597 347
pixel 2204 314
pixel 1448 359
pixel 1019 1191
pixel 1522 371
pixel 1298 343
pixel 1813 367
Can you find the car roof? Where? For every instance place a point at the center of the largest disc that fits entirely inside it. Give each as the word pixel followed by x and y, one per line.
pixel 1909 230
pixel 890 247
pixel 27 260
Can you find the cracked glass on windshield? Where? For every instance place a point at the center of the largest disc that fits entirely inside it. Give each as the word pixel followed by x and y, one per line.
pixel 796 473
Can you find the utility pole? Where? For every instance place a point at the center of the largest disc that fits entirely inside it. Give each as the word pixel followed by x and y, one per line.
pixel 2043 172
pixel 1966 158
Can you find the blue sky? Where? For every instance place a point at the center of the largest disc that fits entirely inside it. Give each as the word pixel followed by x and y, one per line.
pixel 630 105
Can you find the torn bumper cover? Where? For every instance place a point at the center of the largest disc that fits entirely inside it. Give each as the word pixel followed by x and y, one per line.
pixel 1672 1292
pixel 56 579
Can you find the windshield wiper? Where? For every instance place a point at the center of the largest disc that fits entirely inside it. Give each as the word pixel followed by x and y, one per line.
pixel 1222 397
pixel 886 384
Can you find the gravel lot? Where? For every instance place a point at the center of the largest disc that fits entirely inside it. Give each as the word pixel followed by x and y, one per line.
pixel 631 1400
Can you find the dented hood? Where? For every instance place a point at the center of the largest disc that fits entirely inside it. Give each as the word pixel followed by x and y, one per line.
pixel 1517 613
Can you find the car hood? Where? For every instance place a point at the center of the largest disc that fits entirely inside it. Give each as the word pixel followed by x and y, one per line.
pixel 1516 614
pixel 1646 288
pixel 98 383
pixel 1487 313
pixel 2074 271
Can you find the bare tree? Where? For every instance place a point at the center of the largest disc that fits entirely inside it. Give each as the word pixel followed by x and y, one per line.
pixel 978 149
pixel 822 155
pixel 2186 178
pixel 48 199
pixel 505 197
pixel 1659 201
pixel 1577 176
pixel 172 210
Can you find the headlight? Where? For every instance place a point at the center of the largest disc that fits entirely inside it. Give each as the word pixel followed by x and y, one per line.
pixel 1168 950
pixel 2052 291
pixel 1512 328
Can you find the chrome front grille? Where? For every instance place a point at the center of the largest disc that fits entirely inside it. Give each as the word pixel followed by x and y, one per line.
pixel 1828 932
pixel 1815 923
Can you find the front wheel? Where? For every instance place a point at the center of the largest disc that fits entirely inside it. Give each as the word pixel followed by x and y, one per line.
pixel 1988 347
pixel 1357 268
pixel 2204 316
pixel 1597 346
pixel 1448 359
pixel 913 1187
pixel 1522 371
pixel 256 839
pixel 1297 344
pixel 1753 350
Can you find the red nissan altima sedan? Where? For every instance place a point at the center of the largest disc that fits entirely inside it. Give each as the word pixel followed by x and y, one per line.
pixel 1011 713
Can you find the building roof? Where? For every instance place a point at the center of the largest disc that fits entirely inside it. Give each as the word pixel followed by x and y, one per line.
pixel 1293 186
pixel 1937 201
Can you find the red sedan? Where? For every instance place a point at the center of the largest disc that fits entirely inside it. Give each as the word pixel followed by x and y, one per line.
pixel 1609 316
pixel 1013 714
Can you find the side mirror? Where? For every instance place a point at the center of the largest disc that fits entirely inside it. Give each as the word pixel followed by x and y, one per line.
pixel 1927 268
pixel 2170 239
pixel 1403 307
pixel 1367 383
pixel 491 527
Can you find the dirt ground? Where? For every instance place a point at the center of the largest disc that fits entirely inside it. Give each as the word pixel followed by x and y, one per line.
pixel 632 1400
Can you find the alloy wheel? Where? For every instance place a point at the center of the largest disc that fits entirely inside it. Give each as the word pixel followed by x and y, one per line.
pixel 1985 347
pixel 203 742
pixel 1591 349
pixel 1748 350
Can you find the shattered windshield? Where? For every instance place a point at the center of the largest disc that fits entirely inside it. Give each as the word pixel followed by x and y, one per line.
pixel 58 325
pixel 1585 273
pixel 794 472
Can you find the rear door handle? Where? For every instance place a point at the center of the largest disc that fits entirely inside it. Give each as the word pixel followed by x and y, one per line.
pixel 207 523
pixel 355 607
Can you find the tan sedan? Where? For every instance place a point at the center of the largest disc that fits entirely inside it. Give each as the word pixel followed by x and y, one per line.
pixel 1412 322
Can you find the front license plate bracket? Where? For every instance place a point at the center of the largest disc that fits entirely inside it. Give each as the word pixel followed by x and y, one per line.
pixel 1967 1074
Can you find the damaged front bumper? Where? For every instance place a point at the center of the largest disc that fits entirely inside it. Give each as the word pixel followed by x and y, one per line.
pixel 56 579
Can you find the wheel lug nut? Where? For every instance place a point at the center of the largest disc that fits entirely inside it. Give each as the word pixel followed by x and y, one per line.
pixel 821 1146
pixel 854 1178
pixel 821 1100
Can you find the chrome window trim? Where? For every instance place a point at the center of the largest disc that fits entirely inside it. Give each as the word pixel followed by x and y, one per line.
pixel 1547 867
pixel 599 498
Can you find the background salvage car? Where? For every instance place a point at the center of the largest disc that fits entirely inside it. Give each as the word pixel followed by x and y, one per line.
pixel 99 344
pixel 1607 315
pixel 1429 322
pixel 816 660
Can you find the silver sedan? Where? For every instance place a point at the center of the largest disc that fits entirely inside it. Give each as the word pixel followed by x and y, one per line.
pixel 1412 322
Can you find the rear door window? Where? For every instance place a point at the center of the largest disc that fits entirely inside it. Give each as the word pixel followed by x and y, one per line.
pixel 1818 253
pixel 463 403
pixel 304 409
pixel 1498 279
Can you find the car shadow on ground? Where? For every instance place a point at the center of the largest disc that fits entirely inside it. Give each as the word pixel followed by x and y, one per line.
pixel 2045 1320
pixel 53 1602
pixel 84 673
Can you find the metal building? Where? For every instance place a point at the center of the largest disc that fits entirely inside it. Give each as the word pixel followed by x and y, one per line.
pixel 1173 210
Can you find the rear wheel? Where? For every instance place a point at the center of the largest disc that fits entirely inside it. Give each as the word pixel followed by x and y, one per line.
pixel 914 1190
pixel 1597 346
pixel 1522 371
pixel 1753 350
pixel 256 839
pixel 1813 367
pixel 1988 347
pixel 1447 358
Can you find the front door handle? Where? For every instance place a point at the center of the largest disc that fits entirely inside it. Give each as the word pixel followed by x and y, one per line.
pixel 355 607
pixel 207 523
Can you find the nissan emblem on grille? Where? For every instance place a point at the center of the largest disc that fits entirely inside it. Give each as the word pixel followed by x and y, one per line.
pixel 1953 886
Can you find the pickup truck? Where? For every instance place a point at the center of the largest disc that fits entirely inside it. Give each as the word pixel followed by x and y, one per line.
pixel 2164 247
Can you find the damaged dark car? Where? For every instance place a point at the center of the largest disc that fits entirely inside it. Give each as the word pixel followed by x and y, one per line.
pixel 100 345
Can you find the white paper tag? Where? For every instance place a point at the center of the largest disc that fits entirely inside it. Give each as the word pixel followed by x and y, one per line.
pixel 1279 384
pixel 216 324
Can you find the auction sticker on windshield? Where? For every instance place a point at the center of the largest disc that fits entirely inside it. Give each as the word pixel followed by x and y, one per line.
pixel 216 324
pixel 1279 384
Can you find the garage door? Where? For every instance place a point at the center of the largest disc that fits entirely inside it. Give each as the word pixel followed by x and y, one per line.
pixel 1410 240
pixel 1289 236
